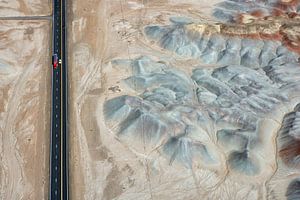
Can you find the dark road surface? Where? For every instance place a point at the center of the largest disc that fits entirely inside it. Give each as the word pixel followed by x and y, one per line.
pixel 59 143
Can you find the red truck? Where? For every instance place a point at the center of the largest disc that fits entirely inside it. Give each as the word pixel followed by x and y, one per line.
pixel 55 61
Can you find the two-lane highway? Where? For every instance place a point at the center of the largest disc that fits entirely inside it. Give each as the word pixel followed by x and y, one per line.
pixel 59 138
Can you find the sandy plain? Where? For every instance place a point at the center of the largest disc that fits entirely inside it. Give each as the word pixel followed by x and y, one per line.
pixel 24 99
pixel 25 8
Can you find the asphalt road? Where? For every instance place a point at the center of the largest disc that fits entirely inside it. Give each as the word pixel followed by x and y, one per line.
pixel 59 137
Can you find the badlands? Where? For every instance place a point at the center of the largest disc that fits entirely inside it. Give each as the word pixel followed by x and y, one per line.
pixel 185 100
pixel 168 99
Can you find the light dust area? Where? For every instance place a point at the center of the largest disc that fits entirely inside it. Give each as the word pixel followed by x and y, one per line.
pixel 12 8
pixel 24 108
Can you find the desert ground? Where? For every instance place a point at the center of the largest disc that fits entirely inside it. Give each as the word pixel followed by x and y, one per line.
pixel 16 8
pixel 193 100
pixel 25 80
pixel 168 99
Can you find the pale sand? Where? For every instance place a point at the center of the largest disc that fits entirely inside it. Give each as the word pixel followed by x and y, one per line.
pixel 14 8
pixel 24 109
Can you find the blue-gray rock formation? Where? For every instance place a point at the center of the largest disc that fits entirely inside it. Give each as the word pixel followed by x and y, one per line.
pixel 293 190
pixel 228 10
pixel 245 81
pixel 221 50
pixel 289 139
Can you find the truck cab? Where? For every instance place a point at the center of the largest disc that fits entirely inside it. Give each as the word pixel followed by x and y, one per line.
pixel 55 61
